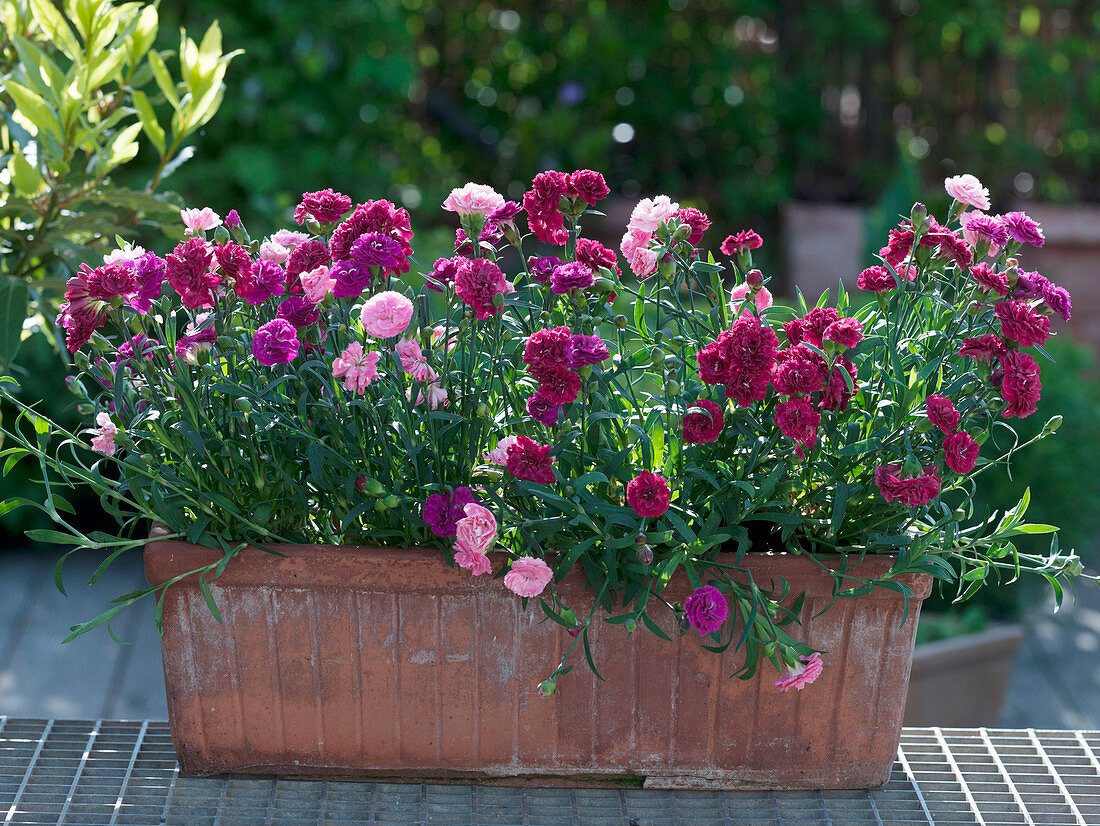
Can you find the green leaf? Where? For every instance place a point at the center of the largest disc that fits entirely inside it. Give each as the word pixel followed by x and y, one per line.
pixel 145 34
pixel 34 110
pixel 54 25
pixel 209 597
pixel 164 79
pixel 26 178
pixel 149 119
pixel 14 301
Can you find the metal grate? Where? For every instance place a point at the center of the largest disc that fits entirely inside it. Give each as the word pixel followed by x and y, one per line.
pixel 108 772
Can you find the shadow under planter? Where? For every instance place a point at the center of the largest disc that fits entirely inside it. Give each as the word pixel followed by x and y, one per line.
pixel 961 682
pixel 383 662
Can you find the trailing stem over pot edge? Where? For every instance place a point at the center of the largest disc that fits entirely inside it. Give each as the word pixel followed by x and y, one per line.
pixel 321 386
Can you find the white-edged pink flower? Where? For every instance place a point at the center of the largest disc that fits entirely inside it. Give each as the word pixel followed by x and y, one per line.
pixel 413 361
pixel 499 454
pixel 386 314
pixel 104 440
pixel 808 670
pixel 199 220
pixel 650 213
pixel 357 368
pixel 473 198
pixel 528 577
pixel 633 240
pixel 129 254
pixel 290 238
pixel 432 395
pixel 317 283
pixel 763 299
pixel 477 530
pixel 274 251
pixel 966 189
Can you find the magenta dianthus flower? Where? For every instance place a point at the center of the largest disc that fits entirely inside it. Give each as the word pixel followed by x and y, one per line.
pixel 571 276
pixel 275 343
pixel 648 494
pixel 1023 229
pixel 324 205
pixel 542 410
pixel 706 609
pixel 443 510
pixel 588 350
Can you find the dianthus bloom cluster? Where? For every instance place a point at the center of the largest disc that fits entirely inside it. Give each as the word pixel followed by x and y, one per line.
pixel 525 423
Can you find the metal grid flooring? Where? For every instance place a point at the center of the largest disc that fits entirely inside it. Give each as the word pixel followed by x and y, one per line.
pixel 108 772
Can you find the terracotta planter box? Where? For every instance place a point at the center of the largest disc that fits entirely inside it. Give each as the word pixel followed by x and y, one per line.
pixel 961 682
pixel 370 662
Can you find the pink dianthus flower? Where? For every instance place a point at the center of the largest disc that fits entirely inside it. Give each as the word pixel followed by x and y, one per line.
pixel 528 577
pixel 386 314
pixel 358 369
pixel 808 670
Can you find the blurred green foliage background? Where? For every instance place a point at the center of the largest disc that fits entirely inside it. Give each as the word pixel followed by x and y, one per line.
pixel 741 105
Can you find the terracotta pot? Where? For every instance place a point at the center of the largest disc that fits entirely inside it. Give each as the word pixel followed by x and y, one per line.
pixel 381 662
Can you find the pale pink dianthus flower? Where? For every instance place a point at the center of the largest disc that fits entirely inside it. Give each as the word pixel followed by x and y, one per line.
pixel 528 577
pixel 199 220
pixel 317 283
pixel 386 314
pixel 801 675
pixel 357 368
pixel 967 189
pixel 473 198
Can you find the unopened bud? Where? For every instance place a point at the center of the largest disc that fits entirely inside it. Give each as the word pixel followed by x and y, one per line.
pixel 1052 425
pixel 547 688
pixel 243 405
pixel 919 216
pixel 620 321
pixel 754 278
pixel 645 554
pixel 640 539
pixel 682 233
pixel 673 386
pixel 631 625
pixel 221 235
pixel 391 501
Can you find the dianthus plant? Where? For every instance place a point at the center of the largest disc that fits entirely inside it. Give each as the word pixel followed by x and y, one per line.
pixel 538 403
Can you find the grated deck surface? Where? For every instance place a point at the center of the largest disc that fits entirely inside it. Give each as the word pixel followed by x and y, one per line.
pixel 110 772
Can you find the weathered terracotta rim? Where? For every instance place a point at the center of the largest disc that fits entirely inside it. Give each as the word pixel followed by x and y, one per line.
pixel 424 569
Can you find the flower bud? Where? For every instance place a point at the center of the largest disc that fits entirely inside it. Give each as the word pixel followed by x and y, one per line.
pixel 640 539
pixel 1052 425
pixel 919 217
pixel 547 688
pixel 754 278
pixel 221 235
pixel 620 321
pixel 75 387
pixel 645 554
pixel 631 625
pixel 570 617
pixel 682 232
pixel 673 386
pixel 482 410
pixel 243 405
pixel 391 501
pixel 911 467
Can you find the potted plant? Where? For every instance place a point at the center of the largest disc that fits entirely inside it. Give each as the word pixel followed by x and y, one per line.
pixel 467 525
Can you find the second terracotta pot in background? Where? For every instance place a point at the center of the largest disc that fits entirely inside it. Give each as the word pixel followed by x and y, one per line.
pixel 371 662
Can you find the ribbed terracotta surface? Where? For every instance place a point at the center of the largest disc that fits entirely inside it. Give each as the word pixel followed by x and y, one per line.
pixel 383 662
